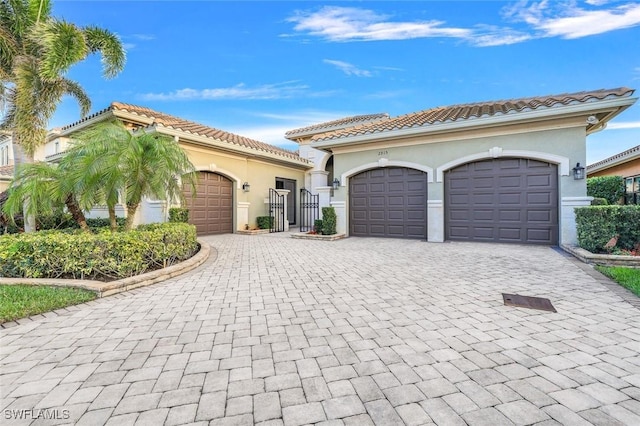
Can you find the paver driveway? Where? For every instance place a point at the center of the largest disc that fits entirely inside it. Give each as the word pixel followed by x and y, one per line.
pixel 278 330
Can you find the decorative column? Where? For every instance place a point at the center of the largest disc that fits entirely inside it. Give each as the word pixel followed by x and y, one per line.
pixel 318 179
pixel 324 199
pixel 435 221
pixel 341 216
pixel 242 217
pixel 568 231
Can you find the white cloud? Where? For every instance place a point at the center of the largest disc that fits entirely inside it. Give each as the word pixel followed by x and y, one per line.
pixel 535 20
pixel 568 21
pixel 347 68
pixel 335 23
pixel 239 91
pixel 624 125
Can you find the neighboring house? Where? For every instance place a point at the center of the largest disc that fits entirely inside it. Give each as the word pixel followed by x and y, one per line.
pixel 6 160
pixel 235 173
pixel 625 164
pixel 498 171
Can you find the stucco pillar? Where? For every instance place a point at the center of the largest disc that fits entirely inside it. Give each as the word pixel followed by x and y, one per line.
pixel 435 221
pixel 324 199
pixel 318 179
pixel 242 217
pixel 341 216
pixel 568 230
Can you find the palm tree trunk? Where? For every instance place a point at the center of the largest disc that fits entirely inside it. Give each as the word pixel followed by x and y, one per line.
pixel 131 212
pixel 20 157
pixel 76 212
pixel 112 217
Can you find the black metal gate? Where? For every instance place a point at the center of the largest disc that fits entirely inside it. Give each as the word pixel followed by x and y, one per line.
pixel 309 210
pixel 276 211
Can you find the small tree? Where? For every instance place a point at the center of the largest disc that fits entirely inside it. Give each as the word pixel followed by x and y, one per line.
pixel 611 188
pixel 110 160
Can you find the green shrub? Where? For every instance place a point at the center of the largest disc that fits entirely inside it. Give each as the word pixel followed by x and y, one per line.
pixel 178 214
pixel 610 188
pixel 264 222
pixel 103 222
pixel 596 225
pixel 101 255
pixel 56 220
pixel 329 220
pixel 599 202
pixel 317 226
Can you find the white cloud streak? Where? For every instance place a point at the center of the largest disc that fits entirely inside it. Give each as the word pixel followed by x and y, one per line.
pixel 624 125
pixel 534 20
pixel 239 91
pixel 347 68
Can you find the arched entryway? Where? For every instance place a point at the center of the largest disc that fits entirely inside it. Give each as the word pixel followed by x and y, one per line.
pixel 211 207
pixel 506 200
pixel 388 202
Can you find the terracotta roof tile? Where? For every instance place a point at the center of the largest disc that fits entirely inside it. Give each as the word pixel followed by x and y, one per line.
pixel 177 123
pixel 618 158
pixel 336 124
pixel 471 111
pixel 186 126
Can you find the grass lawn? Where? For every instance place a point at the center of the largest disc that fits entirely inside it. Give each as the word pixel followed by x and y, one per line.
pixel 19 301
pixel 626 277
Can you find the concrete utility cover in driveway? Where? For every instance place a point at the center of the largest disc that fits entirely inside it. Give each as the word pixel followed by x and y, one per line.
pixel 356 331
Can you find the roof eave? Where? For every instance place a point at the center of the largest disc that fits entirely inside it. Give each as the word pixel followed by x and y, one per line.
pixel 612 107
pixel 613 163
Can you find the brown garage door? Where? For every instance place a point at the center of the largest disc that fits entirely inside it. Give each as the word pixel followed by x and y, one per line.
pixel 507 200
pixel 388 202
pixel 211 210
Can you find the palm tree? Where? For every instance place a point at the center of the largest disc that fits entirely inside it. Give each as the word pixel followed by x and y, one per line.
pixel 48 187
pixel 110 160
pixel 36 51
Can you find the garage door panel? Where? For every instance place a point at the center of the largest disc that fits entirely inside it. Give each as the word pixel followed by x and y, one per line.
pixel 211 210
pixel 388 202
pixel 521 206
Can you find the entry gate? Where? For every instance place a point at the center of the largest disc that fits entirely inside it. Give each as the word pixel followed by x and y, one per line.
pixel 309 210
pixel 276 211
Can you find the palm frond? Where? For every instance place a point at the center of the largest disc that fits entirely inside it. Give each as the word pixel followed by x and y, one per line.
pixel 62 45
pixel 109 45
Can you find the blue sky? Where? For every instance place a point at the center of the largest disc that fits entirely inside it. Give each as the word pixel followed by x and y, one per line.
pixel 260 68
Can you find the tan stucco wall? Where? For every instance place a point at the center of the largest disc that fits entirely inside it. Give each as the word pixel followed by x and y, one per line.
pixel 239 169
pixel 630 168
pixel 4 184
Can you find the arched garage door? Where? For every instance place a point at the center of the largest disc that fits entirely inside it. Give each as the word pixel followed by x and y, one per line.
pixel 506 200
pixel 211 210
pixel 388 202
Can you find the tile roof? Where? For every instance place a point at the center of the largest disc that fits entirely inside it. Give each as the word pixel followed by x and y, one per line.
pixel 621 157
pixel 176 123
pixel 336 124
pixel 448 114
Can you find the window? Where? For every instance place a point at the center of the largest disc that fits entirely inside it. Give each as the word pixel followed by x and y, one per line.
pixel 632 190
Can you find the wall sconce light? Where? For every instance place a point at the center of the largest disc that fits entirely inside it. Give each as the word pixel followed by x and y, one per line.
pixel 578 172
pixel 336 183
pixel 246 187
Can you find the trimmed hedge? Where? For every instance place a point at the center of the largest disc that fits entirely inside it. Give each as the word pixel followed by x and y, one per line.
pixel 329 220
pixel 178 215
pixel 596 225
pixel 611 188
pixel 264 222
pixel 317 226
pixel 102 255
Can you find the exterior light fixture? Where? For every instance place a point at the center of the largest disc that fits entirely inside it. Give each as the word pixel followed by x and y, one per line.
pixel 246 187
pixel 336 183
pixel 578 172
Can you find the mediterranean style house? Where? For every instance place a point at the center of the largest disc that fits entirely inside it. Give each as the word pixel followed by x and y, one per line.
pixel 625 164
pixel 504 171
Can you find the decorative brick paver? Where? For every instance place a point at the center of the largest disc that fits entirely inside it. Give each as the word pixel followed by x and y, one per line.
pixel 278 331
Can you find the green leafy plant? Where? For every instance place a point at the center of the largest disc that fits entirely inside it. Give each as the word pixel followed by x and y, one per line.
pixel 599 202
pixel 329 220
pixel 102 255
pixel 264 222
pixel 317 226
pixel 178 214
pixel 611 188
pixel 597 225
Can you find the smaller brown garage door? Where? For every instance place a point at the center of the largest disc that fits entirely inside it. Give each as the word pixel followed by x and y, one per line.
pixel 388 202
pixel 507 200
pixel 211 210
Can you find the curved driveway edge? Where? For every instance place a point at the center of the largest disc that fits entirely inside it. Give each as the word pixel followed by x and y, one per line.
pixel 113 287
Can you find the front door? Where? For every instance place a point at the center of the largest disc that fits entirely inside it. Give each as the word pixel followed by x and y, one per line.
pixel 289 184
